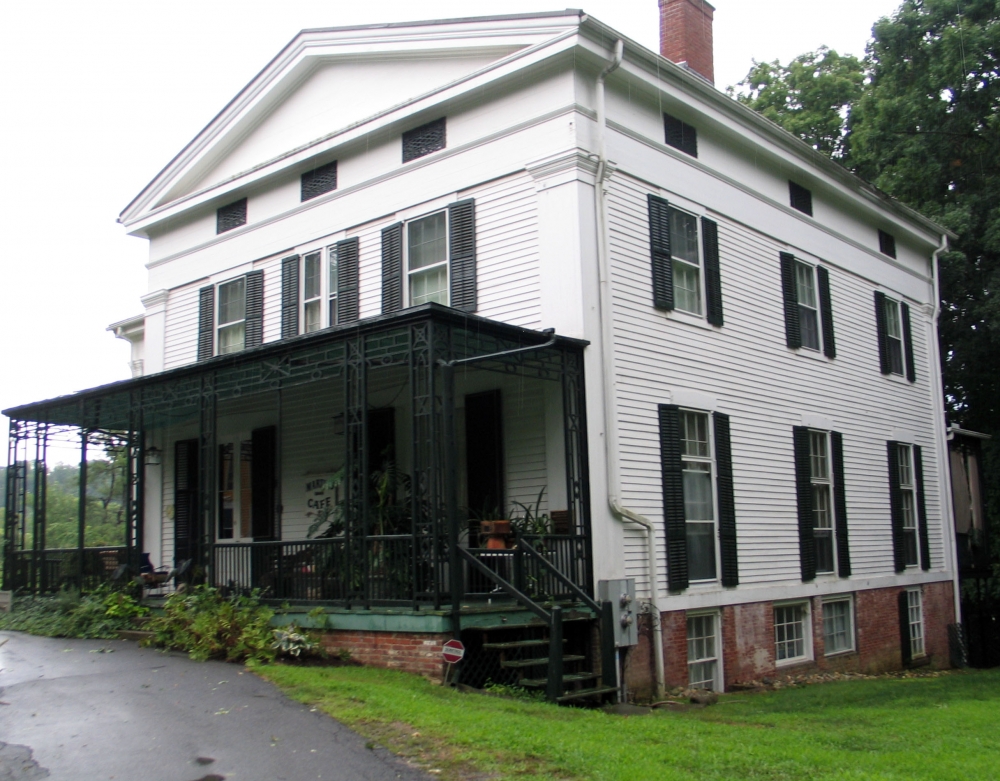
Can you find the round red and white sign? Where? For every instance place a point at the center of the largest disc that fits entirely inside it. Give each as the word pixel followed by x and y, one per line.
pixel 453 651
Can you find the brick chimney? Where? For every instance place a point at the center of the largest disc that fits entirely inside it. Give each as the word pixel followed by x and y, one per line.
pixel 686 35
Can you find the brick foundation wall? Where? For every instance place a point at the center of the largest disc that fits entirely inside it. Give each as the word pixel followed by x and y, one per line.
pixel 411 652
pixel 748 640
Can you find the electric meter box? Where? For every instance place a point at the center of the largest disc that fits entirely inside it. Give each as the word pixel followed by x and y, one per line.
pixel 624 609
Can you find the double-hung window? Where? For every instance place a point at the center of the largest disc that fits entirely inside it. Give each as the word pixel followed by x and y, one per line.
pixel 427 259
pixel 895 340
pixel 312 292
pixel 792 635
pixel 805 286
pixel 232 313
pixel 915 621
pixel 908 505
pixel 699 502
pixel 684 254
pixel 819 463
pixel 331 275
pixel 699 506
pixel 310 288
pixel 703 651
pixel 838 625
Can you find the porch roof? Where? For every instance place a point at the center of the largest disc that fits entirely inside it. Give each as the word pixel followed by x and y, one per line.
pixel 175 393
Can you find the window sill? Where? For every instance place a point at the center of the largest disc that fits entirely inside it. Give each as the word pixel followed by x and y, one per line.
pixel 809 353
pixel 847 652
pixel 793 662
pixel 688 319
pixel 899 378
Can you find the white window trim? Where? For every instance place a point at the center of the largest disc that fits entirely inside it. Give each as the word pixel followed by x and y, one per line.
pixel 910 489
pixel 910 592
pixel 710 429
pixel 717 625
pixel 697 317
pixel 406 253
pixel 819 314
pixel 898 301
pixel 323 287
pixel 853 631
pixel 217 326
pixel 832 509
pixel 807 633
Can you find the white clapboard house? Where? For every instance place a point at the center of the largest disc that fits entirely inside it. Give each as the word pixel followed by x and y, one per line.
pixel 418 278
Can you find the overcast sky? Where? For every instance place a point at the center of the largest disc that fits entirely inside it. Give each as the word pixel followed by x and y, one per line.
pixel 99 95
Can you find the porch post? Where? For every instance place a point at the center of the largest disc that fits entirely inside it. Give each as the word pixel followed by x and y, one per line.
pixel 205 533
pixel 577 462
pixel 38 525
pixel 356 472
pixel 9 526
pixel 82 507
pixel 451 493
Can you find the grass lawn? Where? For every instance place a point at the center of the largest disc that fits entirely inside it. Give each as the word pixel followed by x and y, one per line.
pixel 945 727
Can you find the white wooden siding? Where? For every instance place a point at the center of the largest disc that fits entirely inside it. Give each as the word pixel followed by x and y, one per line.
pixel 766 388
pixel 181 327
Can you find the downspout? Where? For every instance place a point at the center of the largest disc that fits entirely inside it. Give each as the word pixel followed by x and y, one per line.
pixel 944 470
pixel 612 455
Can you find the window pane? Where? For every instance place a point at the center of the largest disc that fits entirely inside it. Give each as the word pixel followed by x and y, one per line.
pixel 687 296
pixel 430 285
pixel 916 616
pixel 694 434
pixel 232 301
pixel 697 478
pixel 333 272
pixel 824 550
pixel 684 236
pixel 701 551
pixel 905 472
pixel 809 326
pixel 818 455
pixel 837 632
pixel 231 339
pixel 333 310
pixel 311 282
pixel 805 285
pixel 910 547
pixel 702 659
pixel 895 355
pixel 427 243
pixel 892 319
pixel 789 633
pixel 313 316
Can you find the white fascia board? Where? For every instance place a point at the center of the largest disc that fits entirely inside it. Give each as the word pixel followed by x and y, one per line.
pixel 735 119
pixel 307 50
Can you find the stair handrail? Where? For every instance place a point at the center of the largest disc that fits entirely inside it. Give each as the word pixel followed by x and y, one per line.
pixel 582 595
pixel 507 586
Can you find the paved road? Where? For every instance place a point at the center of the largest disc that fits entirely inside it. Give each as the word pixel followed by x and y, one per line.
pixel 94 710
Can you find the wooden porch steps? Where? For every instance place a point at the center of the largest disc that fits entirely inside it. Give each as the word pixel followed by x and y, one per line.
pixel 539 661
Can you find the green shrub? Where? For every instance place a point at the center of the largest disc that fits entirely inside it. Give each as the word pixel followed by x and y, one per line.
pixel 209 626
pixel 68 614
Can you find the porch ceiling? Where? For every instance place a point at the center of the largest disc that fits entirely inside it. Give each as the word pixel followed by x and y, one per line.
pixel 175 394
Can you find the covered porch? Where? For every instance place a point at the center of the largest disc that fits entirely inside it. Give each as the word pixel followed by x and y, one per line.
pixel 352 468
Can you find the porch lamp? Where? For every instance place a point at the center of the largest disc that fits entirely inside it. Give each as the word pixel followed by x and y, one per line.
pixel 154 456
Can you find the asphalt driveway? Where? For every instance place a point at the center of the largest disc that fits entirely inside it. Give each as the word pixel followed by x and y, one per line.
pixel 106 709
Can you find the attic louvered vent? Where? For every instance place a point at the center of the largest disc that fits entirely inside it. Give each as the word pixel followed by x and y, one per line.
pixel 887 244
pixel 319 180
pixel 681 135
pixel 801 198
pixel 423 140
pixel 231 216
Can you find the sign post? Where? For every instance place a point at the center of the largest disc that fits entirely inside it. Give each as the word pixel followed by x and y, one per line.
pixel 453 652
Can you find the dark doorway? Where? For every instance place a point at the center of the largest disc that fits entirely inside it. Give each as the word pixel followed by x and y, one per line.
pixel 263 476
pixel 484 454
pixel 381 438
pixel 185 500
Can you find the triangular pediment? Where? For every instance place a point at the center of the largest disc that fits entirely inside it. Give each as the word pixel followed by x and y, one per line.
pixel 326 83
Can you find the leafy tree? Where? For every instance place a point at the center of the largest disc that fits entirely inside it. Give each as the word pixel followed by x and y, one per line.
pixel 810 97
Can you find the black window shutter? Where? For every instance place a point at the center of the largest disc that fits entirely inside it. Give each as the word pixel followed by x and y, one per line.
pixel 462 253
pixel 904 628
pixel 659 248
pixel 896 508
pixel 882 333
pixel 230 216
pixel 713 274
pixel 347 281
pixel 185 499
pixel 290 297
pixel 918 477
pixel 392 268
pixel 840 505
pixel 206 322
pixel 727 501
pixel 911 371
pixel 680 135
pixel 790 296
pixel 803 490
pixel 319 180
pixel 826 312
pixel 254 333
pixel 673 497
pixel 800 198
pixel 424 139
